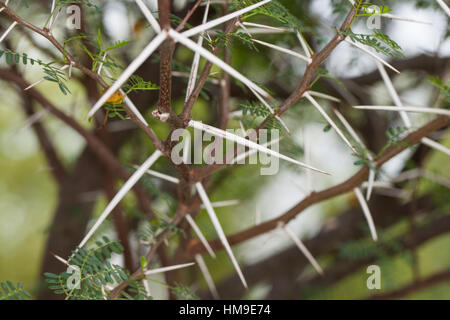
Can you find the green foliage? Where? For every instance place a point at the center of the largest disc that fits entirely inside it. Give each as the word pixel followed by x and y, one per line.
pixel 379 41
pixel 445 89
pixel 137 291
pixel 95 272
pixel 136 83
pixel 52 74
pixel 10 292
pixel 273 9
pixel 156 227
pixel 225 39
pixel 324 73
pixel 182 292
pixel 257 109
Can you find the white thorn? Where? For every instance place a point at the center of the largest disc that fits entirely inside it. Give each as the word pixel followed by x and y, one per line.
pixel 370 182
pixel 212 215
pixel 394 95
pixel 330 121
pixel 166 269
pixel 5 34
pixel 395 17
pixel 196 61
pixel 304 44
pixel 265 27
pixel 209 280
pixel 303 249
pixel 221 204
pixel 137 62
pixel 358 139
pixel 149 16
pixel 435 145
pixel 213 23
pixel 444 7
pixel 100 67
pixel 245 155
pixel 64 261
pixel 6 3
pixel 200 235
pixel 284 50
pixel 444 112
pixel 247 143
pixel 122 192
pixel 160 175
pixel 213 59
pixel 361 47
pixel 323 96
pixel 367 214
pixel 50 23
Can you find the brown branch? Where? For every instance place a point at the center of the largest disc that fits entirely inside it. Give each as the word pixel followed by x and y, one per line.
pixel 316 197
pixel 57 168
pixel 430 281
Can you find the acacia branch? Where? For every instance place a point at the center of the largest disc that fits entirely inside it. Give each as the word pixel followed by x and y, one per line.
pixel 316 197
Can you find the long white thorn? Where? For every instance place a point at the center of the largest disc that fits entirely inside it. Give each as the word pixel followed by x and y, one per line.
pixel 151 47
pixel 444 7
pixel 200 235
pixel 196 61
pixel 247 143
pixel 5 34
pixel 366 211
pixel 304 44
pixel 393 93
pixel 405 118
pixel 358 139
pixel 435 145
pixel 303 249
pixel 216 22
pixel 122 192
pixel 395 17
pixel 222 204
pixel 209 280
pixel 166 269
pixel 162 176
pixel 444 112
pixel 62 260
pixel 323 96
pixel 284 50
pixel 377 58
pixel 100 67
pixel 52 9
pixel 212 215
pixel 149 16
pixel 251 24
pixel 330 121
pixel 213 59
pixel 246 154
